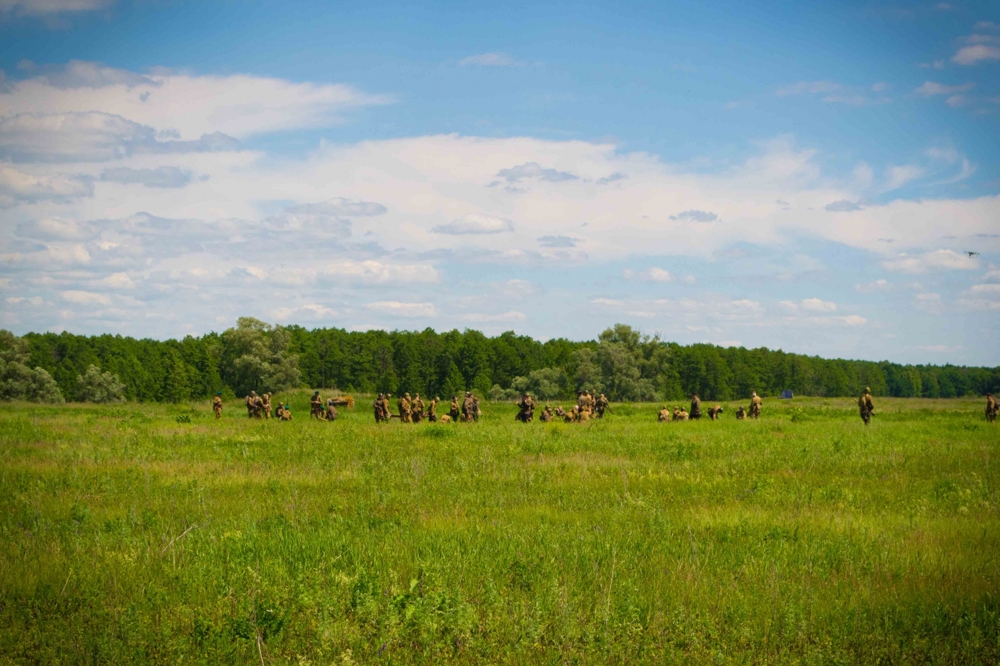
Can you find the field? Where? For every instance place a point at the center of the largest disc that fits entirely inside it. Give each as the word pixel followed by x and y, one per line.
pixel 154 534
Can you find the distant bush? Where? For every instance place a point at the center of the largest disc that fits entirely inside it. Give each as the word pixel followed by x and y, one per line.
pixel 102 388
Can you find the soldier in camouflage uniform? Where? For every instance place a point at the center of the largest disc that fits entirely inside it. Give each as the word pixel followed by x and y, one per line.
pixel 417 408
pixel 664 415
pixel 546 415
pixel 377 408
pixel 713 412
pixel 526 409
pixel 741 413
pixel 386 407
pixel 258 407
pixel 865 406
pixel 286 413
pixel 315 406
pixel 991 408
pixel 468 407
pixel 251 402
pixel 217 404
pixel 453 410
pixel 331 411
pixel 695 407
pixel 601 405
pixel 405 409
pixel 432 416
pixel 755 406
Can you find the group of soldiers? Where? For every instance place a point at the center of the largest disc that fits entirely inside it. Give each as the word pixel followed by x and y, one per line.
pixel 318 411
pixel 258 407
pixel 587 407
pixel 413 410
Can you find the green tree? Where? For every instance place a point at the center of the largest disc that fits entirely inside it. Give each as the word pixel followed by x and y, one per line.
pixel 17 380
pixel 255 357
pixel 99 387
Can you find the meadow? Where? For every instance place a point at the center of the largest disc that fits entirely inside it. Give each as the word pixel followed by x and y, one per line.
pixel 146 533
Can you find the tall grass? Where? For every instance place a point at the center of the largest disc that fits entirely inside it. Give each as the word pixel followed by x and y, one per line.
pixel 145 533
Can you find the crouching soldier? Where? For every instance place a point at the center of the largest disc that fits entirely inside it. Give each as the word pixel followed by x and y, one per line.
pixel 741 413
pixel 331 411
pixel 714 412
pixel 286 413
pixel 664 415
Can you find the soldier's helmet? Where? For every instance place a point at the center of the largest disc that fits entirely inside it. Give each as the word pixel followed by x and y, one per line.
pixel 867 390
pixel 316 393
pixel 253 392
pixel 218 393
pixel 406 395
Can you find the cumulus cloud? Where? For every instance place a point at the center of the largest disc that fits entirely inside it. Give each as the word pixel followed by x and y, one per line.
pixel 509 316
pixel 842 206
pixel 475 224
pixel 50 7
pixel 314 311
pixel 164 176
pixel 695 216
pixel 930 261
pixel 489 60
pixel 930 88
pixel 85 297
pixel 400 309
pixel 57 228
pixel 657 275
pixel 18 187
pixel 817 305
pixel 985 289
pixel 379 273
pixel 975 54
pixel 558 241
pixel 534 171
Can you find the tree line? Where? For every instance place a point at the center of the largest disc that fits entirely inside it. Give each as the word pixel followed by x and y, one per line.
pixel 622 362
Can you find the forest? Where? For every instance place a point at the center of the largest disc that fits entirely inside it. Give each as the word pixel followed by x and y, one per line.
pixel 622 362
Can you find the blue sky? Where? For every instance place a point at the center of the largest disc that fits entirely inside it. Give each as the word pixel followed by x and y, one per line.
pixel 802 176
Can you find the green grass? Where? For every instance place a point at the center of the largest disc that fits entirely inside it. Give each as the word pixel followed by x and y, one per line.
pixel 154 534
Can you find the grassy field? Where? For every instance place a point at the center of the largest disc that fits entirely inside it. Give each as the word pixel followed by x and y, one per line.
pixel 155 534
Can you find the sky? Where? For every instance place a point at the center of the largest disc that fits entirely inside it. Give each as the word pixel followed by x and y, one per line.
pixel 806 176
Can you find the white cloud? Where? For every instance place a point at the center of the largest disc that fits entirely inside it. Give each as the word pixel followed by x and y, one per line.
pixel 975 54
pixel 608 302
pixel 85 297
pixel 877 285
pixel 34 300
pixel 377 272
pixel 931 88
pixel 309 311
pixel 104 111
pixel 928 297
pixel 489 59
pixel 399 309
pixel 162 176
pixel 117 281
pixel 689 279
pixel 817 305
pixel 657 275
pixel 49 7
pixel 901 175
pixel 929 261
pixel 512 315
pixel 17 186
pixel 475 224
pixel 985 289
pixel 992 274
pixel 853 320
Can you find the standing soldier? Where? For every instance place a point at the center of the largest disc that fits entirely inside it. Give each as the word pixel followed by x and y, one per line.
pixel 377 407
pixel 866 406
pixel 315 406
pixel 526 409
pixel 217 404
pixel 432 416
pixel 991 408
pixel 695 407
pixel 467 407
pixel 386 407
pixel 405 408
pixel 417 408
pixel 251 404
pixel 258 407
pixel 755 404
pixel 453 410
pixel 266 405
pixel 601 405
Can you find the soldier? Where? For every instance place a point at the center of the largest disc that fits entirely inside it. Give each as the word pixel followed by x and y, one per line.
pixel 991 408
pixel 266 405
pixel 453 410
pixel 526 409
pixel 601 405
pixel 664 415
pixel 315 406
pixel 405 409
pixel 258 407
pixel 713 412
pixel 468 407
pixel 866 406
pixel 331 411
pixel 279 411
pixel 680 414
pixel 432 416
pixel 695 407
pixel 546 415
pixel 286 413
pixel 417 408
pixel 386 408
pixel 377 408
pixel 217 404
pixel 251 404
pixel 741 413
pixel 755 404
